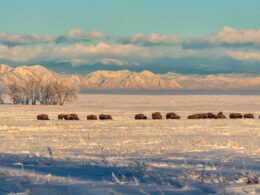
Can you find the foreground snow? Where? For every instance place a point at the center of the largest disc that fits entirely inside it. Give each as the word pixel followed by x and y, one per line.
pixel 127 156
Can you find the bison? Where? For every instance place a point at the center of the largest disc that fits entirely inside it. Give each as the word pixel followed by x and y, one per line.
pixel 71 117
pixel 235 116
pixel 249 115
pixel 140 117
pixel 194 116
pixel 198 116
pixel 43 117
pixel 61 116
pixel 156 116
pixel 92 117
pixel 220 115
pixel 204 115
pixel 105 117
pixel 172 115
pixel 208 115
pixel 211 115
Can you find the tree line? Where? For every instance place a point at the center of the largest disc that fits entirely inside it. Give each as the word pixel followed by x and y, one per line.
pixel 35 91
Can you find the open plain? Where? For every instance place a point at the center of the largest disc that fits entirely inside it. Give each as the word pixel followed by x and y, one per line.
pixel 183 156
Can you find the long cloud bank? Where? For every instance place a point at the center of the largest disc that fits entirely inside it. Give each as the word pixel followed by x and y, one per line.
pixel 81 47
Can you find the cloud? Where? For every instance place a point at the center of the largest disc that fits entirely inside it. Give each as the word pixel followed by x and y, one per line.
pixel 105 53
pixel 227 51
pixel 71 37
pixel 20 54
pixel 79 52
pixel 101 52
pixel 234 36
pixel 12 40
pixel 80 35
pixel 111 61
pixel 227 37
pixel 100 48
pixel 152 39
pixel 245 55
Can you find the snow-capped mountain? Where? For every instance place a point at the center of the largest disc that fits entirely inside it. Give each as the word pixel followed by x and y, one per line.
pixel 125 79
pixel 21 73
pixel 5 68
pixel 214 82
pixel 96 80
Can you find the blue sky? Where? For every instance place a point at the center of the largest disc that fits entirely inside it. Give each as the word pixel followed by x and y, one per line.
pixel 124 17
pixel 132 32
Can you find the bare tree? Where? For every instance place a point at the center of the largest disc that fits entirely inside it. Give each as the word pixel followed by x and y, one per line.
pixel 33 86
pixel 45 94
pixel 64 93
pixel 35 90
pixel 15 92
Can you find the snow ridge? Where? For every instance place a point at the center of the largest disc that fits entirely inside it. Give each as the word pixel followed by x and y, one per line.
pixel 125 79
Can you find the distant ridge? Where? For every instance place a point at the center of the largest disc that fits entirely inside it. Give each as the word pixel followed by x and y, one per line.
pixel 125 79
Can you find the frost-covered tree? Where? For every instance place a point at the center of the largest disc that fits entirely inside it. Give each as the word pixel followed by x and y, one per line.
pixel 14 91
pixel 64 93
pixel 33 91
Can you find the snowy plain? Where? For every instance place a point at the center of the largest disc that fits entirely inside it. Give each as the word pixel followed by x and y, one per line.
pixel 125 156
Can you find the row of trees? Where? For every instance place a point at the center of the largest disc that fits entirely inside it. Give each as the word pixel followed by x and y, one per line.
pixel 33 91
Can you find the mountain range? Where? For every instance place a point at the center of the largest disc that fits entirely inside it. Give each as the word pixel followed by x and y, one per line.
pixel 125 79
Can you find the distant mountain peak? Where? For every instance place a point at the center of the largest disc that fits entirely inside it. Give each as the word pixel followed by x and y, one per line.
pixel 4 68
pixel 125 79
pixel 34 68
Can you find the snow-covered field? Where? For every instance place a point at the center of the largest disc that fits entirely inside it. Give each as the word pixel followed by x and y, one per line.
pixel 125 156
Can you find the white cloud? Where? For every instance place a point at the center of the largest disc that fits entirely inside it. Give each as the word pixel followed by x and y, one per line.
pixel 80 35
pixel 132 50
pixel 227 37
pixel 111 61
pixel 79 52
pixel 20 54
pixel 97 35
pixel 151 39
pixel 245 55
pixel 9 39
pixel 106 53
pixel 72 36
pixel 100 49
pixel 231 35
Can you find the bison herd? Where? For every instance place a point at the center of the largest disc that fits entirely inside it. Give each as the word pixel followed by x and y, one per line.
pixel 220 115
pixel 155 116
pixel 68 117
pixel 75 117
pixel 208 115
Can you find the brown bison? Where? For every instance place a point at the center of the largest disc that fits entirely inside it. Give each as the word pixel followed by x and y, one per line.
pixel 220 115
pixel 105 117
pixel 156 116
pixel 194 116
pixel 235 116
pixel 211 115
pixel 43 117
pixel 172 115
pixel 61 116
pixel 249 115
pixel 92 117
pixel 71 117
pixel 140 117
pixel 198 116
